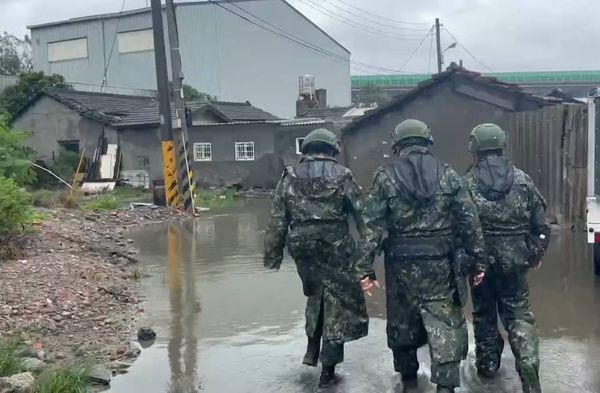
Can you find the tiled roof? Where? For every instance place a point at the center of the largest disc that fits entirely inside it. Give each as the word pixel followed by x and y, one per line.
pixel 136 111
pixel 452 72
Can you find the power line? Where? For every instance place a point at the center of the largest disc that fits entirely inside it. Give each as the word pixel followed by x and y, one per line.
pixel 467 51
pixel 290 37
pixel 376 22
pixel 430 52
pixel 417 48
pixel 381 16
pixel 354 24
pixel 112 46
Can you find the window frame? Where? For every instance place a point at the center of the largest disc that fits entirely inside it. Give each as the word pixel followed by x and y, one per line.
pixel 299 145
pixel 122 52
pixel 201 145
pixel 87 50
pixel 246 145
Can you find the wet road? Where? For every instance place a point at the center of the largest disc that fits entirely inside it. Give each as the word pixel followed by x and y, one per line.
pixel 227 326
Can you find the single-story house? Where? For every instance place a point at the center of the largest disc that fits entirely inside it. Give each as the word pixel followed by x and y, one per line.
pixel 232 142
pixel 452 103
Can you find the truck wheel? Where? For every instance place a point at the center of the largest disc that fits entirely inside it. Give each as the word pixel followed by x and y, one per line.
pixel 597 259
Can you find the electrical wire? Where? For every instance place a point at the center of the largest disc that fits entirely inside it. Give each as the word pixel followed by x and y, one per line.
pixel 366 28
pixel 430 52
pixel 381 16
pixel 467 51
pixel 430 32
pixel 112 46
pixel 376 22
pixel 290 37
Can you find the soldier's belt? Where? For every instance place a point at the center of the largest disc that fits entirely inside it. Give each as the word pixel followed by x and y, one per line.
pixel 418 247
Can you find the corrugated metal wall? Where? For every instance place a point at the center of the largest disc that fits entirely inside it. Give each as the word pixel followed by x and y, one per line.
pixel 222 54
pixel 551 146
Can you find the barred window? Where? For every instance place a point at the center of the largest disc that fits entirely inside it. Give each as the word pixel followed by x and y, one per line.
pixel 244 151
pixel 202 152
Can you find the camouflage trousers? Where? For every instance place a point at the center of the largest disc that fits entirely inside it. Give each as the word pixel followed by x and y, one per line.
pixel 421 309
pixel 506 294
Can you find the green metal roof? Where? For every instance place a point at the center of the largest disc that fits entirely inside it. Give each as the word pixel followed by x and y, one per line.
pixel 412 80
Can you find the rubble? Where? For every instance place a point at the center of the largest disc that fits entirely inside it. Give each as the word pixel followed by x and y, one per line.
pixel 72 294
pixel 18 383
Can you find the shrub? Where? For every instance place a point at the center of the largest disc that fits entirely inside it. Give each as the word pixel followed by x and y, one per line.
pixel 15 158
pixel 16 214
pixel 15 208
pixel 9 361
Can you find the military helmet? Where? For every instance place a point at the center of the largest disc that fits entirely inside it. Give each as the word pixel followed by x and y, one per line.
pixel 321 135
pixel 411 128
pixel 487 136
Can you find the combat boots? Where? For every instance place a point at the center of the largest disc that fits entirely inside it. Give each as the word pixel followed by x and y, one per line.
pixel 311 358
pixel 327 377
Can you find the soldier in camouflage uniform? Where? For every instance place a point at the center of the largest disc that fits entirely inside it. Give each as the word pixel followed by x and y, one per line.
pixel 313 202
pixel 421 202
pixel 513 216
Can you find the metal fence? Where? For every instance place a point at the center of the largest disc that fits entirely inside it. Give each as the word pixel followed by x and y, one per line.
pixel 551 146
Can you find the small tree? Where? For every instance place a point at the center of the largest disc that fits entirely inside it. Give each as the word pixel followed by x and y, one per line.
pixel 15 54
pixel 191 94
pixel 16 215
pixel 30 84
pixel 15 157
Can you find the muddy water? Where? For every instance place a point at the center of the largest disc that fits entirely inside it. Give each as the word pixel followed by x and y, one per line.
pixel 227 326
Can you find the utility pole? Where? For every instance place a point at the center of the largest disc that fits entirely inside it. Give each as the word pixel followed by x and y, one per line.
pixel 166 126
pixel 186 179
pixel 438 40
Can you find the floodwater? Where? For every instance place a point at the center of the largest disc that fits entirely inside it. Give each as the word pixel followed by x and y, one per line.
pixel 225 325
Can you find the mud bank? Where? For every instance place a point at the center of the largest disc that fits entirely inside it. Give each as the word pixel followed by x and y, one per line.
pixel 72 294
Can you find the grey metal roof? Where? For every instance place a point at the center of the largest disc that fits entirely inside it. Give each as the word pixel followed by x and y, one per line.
pixel 122 111
pixel 110 15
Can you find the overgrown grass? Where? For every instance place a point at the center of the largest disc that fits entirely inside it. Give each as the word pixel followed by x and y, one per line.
pixel 101 203
pixel 116 199
pixel 214 199
pixel 9 361
pixel 64 380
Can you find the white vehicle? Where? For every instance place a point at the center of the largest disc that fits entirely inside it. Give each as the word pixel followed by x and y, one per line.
pixel 593 183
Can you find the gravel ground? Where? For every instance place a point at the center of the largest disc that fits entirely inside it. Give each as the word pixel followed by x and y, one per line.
pixel 73 292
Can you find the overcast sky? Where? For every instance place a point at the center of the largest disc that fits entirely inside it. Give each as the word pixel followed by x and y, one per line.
pixel 504 35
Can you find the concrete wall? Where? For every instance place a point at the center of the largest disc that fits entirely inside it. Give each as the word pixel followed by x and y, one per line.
pixel 450 115
pixel 139 145
pixel 275 148
pixel 222 54
pixel 48 122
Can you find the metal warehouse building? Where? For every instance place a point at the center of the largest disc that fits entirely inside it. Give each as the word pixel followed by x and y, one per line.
pixel 223 54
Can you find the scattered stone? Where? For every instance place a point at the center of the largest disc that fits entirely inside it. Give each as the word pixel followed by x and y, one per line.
pixel 134 350
pixel 146 334
pixel 100 375
pixel 18 383
pixel 33 365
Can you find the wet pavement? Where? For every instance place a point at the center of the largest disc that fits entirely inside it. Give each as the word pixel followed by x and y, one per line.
pixel 225 325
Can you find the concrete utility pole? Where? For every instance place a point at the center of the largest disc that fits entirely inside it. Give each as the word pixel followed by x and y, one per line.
pixel 186 179
pixel 166 126
pixel 439 45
